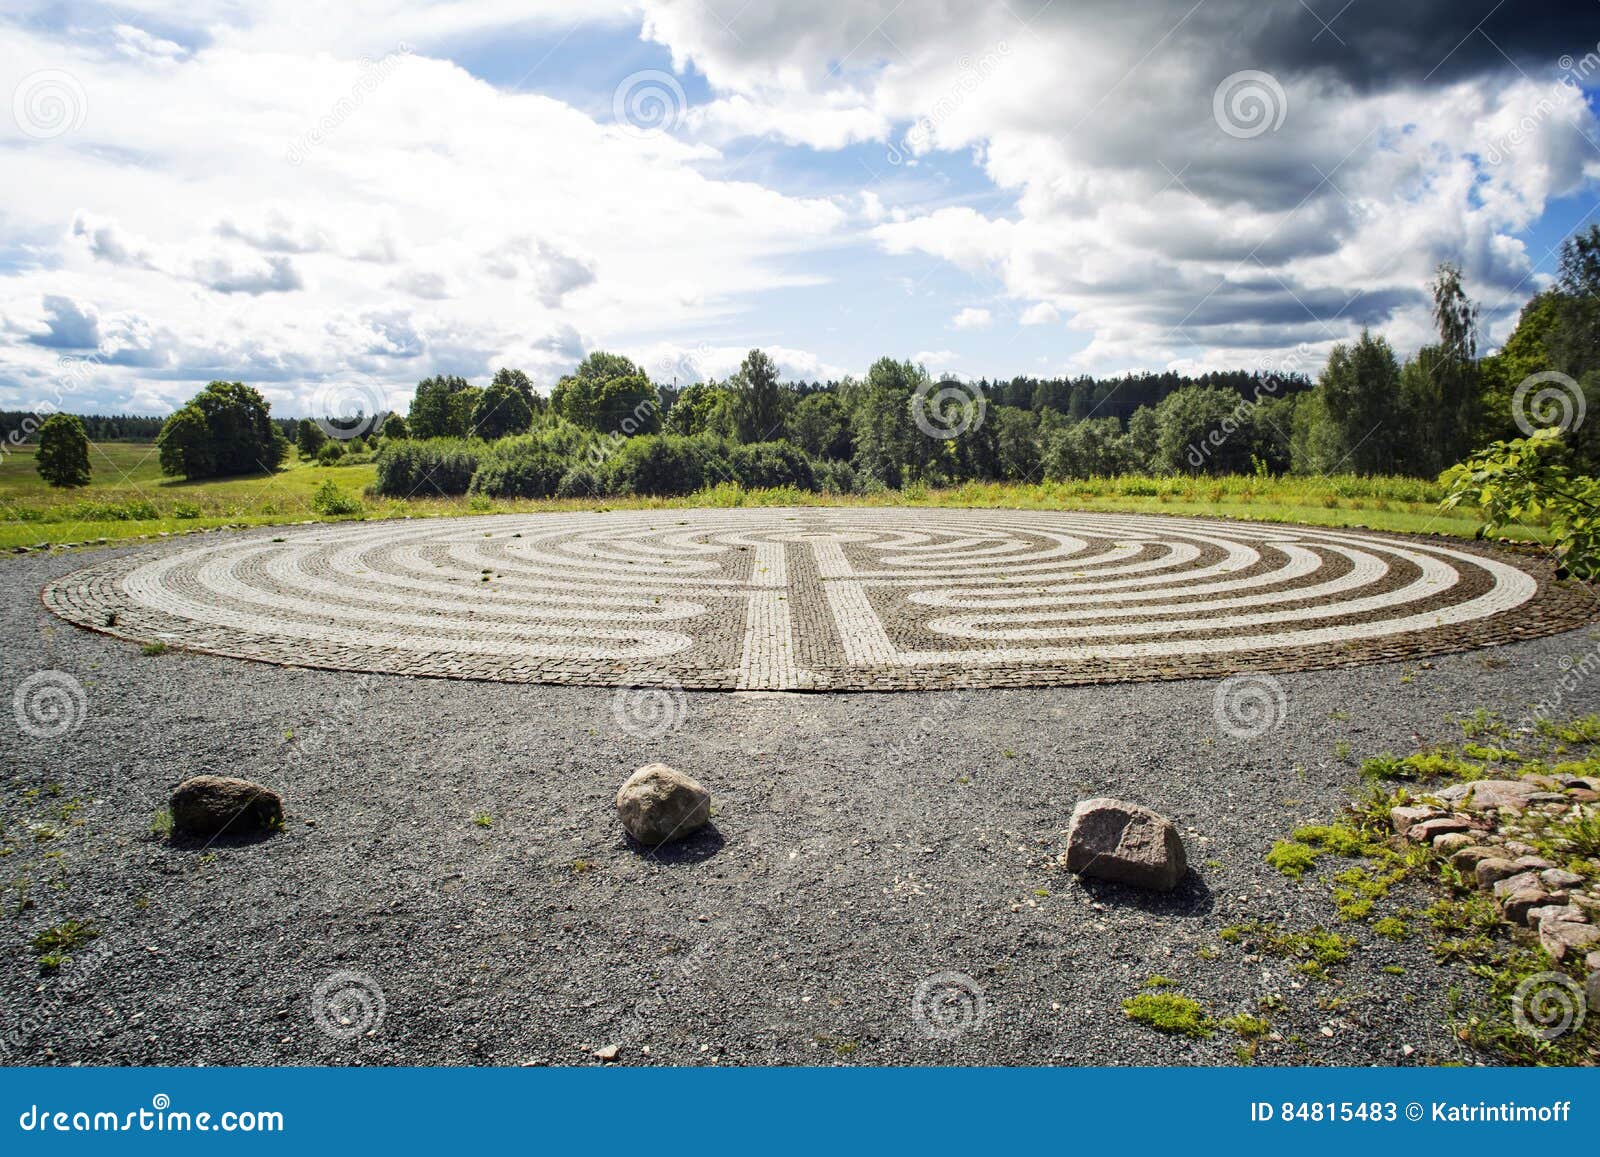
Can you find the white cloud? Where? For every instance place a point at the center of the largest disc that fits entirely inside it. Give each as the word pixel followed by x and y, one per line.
pixel 972 318
pixel 1040 313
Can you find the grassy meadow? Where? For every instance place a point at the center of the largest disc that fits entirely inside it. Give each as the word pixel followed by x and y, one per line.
pixel 130 497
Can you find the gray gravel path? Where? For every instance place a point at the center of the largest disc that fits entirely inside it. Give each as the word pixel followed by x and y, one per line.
pixel 863 843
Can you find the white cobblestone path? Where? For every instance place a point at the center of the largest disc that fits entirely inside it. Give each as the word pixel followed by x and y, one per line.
pixel 817 598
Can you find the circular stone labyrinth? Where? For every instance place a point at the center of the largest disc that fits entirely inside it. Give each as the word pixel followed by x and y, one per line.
pixel 817 599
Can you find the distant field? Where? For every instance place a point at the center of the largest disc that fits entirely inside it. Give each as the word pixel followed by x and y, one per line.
pixel 130 497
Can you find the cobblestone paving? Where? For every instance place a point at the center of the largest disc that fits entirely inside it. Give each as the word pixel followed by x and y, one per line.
pixel 820 599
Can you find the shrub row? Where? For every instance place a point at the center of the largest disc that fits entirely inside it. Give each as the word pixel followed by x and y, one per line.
pixel 558 463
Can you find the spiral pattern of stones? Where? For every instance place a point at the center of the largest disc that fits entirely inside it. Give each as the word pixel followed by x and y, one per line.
pixel 819 598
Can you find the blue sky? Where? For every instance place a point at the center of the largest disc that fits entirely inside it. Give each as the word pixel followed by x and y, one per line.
pixel 333 201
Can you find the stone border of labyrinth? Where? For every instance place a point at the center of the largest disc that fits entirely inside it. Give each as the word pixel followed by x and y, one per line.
pixel 820 598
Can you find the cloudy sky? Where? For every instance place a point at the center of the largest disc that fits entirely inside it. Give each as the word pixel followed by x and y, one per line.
pixel 331 200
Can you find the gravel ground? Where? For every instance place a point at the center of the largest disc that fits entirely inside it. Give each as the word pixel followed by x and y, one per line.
pixel 863 844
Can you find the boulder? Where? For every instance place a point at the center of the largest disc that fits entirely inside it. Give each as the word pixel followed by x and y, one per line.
pixel 213 805
pixel 1561 938
pixel 1466 860
pixel 1111 839
pixel 1402 818
pixel 1424 830
pixel 657 804
pixel 1559 879
pixel 1451 842
pixel 1518 904
pixel 1521 882
pixel 1488 871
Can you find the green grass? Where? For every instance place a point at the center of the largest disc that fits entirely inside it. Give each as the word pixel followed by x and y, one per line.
pixel 130 497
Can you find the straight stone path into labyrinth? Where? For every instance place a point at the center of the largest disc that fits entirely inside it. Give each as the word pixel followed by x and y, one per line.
pixel 819 598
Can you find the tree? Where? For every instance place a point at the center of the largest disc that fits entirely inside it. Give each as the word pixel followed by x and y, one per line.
pixel 395 428
pixel 820 426
pixel 760 404
pixel 1363 404
pixel 520 382
pixel 608 393
pixel 1205 430
pixel 439 410
pixel 223 430
pixel 63 456
pixel 501 410
pixel 1442 390
pixel 1016 433
pixel 1528 480
pixel 703 408
pixel 309 437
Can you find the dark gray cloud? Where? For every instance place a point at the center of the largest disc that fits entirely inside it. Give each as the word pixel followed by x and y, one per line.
pixel 68 326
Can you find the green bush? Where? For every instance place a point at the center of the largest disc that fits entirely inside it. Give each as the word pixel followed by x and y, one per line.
pixel 329 499
pixel 522 467
pixel 579 482
pixel 330 453
pixel 770 465
pixel 667 464
pixel 426 468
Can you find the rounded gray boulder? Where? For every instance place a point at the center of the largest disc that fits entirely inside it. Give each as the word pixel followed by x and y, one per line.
pixel 657 804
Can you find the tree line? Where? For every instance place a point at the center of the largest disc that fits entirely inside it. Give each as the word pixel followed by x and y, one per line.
pixel 606 427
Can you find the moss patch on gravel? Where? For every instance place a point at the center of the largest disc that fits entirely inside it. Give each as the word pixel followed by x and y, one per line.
pixel 1170 1012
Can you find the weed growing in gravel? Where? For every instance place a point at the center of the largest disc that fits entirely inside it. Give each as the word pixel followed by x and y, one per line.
pixel 1315 950
pixel 1170 1012
pixel 54 945
pixel 152 649
pixel 1422 767
pixel 161 824
pixel 483 820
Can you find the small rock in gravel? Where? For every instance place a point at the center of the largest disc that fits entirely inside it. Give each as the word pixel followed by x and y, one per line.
pixel 1488 871
pixel 657 804
pixel 1114 840
pixel 607 1054
pixel 210 805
